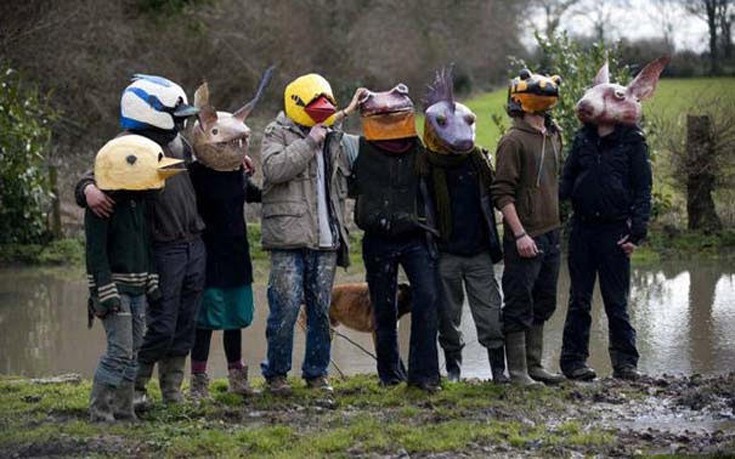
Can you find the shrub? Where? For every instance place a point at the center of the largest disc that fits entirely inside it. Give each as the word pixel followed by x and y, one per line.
pixel 24 138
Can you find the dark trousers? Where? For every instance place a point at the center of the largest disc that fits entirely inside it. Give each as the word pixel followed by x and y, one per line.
pixel 382 257
pixel 593 251
pixel 232 340
pixel 172 322
pixel 529 284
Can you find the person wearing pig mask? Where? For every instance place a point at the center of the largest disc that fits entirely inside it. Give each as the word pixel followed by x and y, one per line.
pixel 607 177
pixel 306 162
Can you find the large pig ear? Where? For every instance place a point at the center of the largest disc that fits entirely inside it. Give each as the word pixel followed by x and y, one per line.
pixel 644 83
pixel 201 96
pixel 603 75
pixel 207 117
pixel 245 110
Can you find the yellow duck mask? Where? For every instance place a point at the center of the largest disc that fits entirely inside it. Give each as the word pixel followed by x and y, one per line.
pixel 308 100
pixel 133 162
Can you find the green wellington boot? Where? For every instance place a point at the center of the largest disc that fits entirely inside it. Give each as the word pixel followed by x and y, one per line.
pixel 170 378
pixel 515 348
pixel 100 403
pixel 534 352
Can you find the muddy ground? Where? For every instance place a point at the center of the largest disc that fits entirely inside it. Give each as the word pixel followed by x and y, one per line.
pixel 606 418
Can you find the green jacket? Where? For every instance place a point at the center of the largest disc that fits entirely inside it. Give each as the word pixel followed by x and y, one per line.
pixel 527 175
pixel 119 255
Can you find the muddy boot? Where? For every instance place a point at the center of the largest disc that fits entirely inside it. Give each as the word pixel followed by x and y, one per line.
pixel 237 379
pixel 453 364
pixel 122 402
pixel 515 347
pixel 497 365
pixel 534 351
pixel 100 403
pixel 170 378
pixel 199 387
pixel 141 401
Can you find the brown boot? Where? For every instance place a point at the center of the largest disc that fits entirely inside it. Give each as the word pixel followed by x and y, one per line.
pixel 515 348
pixel 534 352
pixel 238 382
pixel 199 386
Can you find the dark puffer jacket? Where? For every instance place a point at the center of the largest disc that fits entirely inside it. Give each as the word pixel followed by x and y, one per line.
pixel 608 179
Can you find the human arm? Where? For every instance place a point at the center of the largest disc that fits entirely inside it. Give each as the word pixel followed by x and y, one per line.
pixel 569 173
pixel 103 289
pixel 641 182
pixel 281 161
pixel 351 107
pixel 87 195
pixel 253 193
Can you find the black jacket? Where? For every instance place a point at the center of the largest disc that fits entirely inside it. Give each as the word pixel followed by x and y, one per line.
pixel 608 179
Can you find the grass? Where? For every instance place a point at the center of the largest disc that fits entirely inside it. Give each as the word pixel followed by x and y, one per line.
pixel 363 418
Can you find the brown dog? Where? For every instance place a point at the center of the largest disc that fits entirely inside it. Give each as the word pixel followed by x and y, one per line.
pixel 352 308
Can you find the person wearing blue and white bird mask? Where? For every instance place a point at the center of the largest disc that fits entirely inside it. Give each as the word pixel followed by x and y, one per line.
pixel 157 108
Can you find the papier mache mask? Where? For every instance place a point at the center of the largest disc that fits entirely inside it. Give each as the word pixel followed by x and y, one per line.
pixel 220 139
pixel 532 93
pixel 153 102
pixel 308 100
pixel 387 115
pixel 133 162
pixel 449 126
pixel 610 103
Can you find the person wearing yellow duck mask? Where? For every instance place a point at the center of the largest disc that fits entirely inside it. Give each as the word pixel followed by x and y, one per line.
pixel 120 271
pixel 306 163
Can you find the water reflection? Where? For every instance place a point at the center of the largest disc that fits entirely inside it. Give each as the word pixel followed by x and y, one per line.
pixel 684 316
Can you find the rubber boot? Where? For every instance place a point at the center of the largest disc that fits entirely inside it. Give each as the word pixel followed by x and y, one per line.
pixel 170 378
pixel 497 365
pixel 534 351
pixel 453 363
pixel 515 347
pixel 100 403
pixel 237 379
pixel 199 386
pixel 122 402
pixel 141 401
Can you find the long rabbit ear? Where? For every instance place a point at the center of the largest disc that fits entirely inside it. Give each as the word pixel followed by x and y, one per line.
pixel 201 96
pixel 644 84
pixel 243 112
pixel 603 75
pixel 207 117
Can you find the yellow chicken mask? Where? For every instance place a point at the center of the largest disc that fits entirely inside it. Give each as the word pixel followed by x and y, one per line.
pixel 135 163
pixel 308 100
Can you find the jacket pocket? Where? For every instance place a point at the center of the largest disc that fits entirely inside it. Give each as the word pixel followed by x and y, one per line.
pixel 283 224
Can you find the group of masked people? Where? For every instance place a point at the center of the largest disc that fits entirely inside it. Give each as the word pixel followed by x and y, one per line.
pixel 168 265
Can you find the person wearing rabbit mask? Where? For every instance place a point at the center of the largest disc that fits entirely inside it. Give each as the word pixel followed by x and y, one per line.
pixel 607 177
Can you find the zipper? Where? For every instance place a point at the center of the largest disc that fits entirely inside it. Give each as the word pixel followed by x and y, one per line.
pixel 541 163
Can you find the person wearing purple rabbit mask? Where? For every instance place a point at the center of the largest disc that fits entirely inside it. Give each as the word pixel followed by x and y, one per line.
pixel 607 177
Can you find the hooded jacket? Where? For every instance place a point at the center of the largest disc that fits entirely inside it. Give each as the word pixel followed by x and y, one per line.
pixel 608 179
pixel 526 175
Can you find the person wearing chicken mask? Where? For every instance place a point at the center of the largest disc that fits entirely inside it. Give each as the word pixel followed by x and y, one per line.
pixel 306 162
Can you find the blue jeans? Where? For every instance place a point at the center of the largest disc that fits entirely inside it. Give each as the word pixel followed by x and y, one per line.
pixel 382 257
pixel 299 276
pixel 172 322
pixel 593 251
pixel 124 330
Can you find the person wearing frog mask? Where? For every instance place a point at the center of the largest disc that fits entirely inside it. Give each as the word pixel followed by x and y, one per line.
pixel 306 162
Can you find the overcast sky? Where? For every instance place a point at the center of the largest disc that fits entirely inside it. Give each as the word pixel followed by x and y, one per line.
pixel 639 19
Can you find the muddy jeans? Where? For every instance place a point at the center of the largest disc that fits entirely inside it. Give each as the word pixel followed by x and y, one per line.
pixel 382 257
pixel 124 330
pixel 476 275
pixel 299 276
pixel 529 284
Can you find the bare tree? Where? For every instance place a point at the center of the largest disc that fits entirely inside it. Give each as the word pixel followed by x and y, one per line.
pixel 662 13
pixel 604 15
pixel 718 16
pixel 553 11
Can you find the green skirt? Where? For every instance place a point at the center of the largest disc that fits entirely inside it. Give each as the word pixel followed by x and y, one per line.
pixel 226 308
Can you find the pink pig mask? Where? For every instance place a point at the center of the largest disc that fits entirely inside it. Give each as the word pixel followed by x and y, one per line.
pixel 608 103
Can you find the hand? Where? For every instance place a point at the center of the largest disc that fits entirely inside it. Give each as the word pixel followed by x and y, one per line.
pixel 248 165
pixel 627 246
pixel 360 94
pixel 527 247
pixel 317 133
pixel 101 204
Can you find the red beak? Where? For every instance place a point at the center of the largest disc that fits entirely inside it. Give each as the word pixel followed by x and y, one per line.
pixel 320 109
